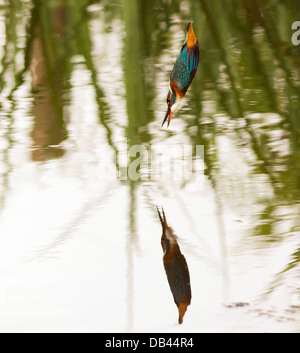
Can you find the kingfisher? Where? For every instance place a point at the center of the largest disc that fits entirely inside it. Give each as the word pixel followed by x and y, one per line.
pixel 176 268
pixel 183 73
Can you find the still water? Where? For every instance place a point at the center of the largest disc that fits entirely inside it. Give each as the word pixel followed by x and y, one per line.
pixel 83 81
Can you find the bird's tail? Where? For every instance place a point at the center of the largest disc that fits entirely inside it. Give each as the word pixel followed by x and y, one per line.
pixel 182 308
pixel 190 36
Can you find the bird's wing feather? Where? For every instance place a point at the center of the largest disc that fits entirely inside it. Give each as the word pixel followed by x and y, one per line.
pixel 179 279
pixel 185 67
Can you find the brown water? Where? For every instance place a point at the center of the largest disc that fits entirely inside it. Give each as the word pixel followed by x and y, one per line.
pixel 81 83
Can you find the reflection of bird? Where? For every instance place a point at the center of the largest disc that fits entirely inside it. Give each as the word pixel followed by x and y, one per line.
pixel 176 268
pixel 183 72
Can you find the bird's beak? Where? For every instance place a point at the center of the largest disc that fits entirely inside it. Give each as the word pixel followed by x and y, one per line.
pixel 169 114
pixel 163 219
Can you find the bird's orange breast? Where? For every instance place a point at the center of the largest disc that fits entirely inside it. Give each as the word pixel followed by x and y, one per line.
pixel 174 250
pixel 179 94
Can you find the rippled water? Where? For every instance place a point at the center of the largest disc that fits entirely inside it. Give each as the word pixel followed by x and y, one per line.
pixel 83 82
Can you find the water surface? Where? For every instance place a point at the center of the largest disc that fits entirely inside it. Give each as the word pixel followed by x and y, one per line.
pixel 80 248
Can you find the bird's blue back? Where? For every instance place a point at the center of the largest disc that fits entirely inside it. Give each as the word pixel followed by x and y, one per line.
pixel 185 67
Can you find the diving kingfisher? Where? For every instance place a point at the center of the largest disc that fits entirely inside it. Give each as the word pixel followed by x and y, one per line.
pixel 176 268
pixel 183 73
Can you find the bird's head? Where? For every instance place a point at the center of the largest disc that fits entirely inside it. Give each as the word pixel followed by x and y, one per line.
pixel 171 99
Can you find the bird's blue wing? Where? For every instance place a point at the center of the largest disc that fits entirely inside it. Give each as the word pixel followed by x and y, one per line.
pixel 179 279
pixel 185 67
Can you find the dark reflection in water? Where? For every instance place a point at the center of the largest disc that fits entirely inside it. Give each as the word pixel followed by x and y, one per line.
pixel 47 63
pixel 176 268
pixel 243 106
